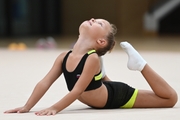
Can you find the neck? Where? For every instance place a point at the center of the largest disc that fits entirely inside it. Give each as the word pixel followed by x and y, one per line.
pixel 82 46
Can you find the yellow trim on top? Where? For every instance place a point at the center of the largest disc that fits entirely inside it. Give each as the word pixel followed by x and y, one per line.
pixel 131 101
pixel 98 77
pixel 91 51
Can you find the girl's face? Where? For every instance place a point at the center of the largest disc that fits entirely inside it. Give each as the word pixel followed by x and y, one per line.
pixel 95 28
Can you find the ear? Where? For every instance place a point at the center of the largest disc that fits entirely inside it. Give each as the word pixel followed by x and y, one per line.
pixel 102 42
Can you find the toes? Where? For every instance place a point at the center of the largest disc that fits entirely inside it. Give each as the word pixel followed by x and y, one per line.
pixel 123 44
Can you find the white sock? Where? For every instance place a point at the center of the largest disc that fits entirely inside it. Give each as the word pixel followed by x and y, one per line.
pixel 135 60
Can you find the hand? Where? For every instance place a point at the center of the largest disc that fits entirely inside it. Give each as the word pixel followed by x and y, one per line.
pixel 18 110
pixel 48 112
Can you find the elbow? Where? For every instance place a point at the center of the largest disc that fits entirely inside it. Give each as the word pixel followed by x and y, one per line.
pixel 77 92
pixel 106 78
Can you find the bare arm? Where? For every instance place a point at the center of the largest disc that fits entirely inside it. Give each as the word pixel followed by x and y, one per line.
pixel 92 64
pixel 41 88
pixel 106 78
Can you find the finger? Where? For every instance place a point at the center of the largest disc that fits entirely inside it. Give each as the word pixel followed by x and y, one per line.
pixel 49 113
pixel 21 111
pixel 11 111
pixel 38 113
pixel 54 113
pixel 44 113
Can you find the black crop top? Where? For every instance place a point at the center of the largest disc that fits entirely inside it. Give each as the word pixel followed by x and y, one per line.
pixel 72 77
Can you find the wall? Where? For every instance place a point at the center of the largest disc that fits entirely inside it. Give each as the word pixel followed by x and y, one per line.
pixel 127 15
pixel 74 13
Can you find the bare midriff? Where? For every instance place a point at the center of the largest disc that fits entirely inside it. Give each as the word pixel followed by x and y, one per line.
pixel 95 98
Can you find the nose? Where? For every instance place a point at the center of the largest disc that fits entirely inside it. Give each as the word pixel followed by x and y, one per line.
pixel 92 19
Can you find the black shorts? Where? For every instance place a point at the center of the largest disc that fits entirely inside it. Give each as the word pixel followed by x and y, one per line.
pixel 118 94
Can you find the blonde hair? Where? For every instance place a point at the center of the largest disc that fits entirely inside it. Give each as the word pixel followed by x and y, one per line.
pixel 111 41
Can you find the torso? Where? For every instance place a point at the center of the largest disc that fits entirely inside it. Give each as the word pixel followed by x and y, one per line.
pixel 95 98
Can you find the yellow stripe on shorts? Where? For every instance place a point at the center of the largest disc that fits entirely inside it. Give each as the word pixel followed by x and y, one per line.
pixel 131 101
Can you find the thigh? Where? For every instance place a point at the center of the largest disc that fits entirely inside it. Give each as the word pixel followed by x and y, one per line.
pixel 148 99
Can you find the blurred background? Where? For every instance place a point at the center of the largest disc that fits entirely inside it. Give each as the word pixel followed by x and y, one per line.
pixel 149 22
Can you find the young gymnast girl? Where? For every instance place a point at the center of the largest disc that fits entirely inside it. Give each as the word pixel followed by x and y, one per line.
pixel 86 81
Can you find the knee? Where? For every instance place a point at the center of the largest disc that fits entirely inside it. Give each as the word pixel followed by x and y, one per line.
pixel 173 99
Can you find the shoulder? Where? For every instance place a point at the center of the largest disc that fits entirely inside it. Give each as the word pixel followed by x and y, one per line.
pixel 93 57
pixel 61 56
pixel 93 61
pixel 92 64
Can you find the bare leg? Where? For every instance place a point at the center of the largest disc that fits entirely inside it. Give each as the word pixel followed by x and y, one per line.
pixel 163 95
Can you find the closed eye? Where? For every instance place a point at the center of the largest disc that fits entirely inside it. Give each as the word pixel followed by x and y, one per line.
pixel 100 23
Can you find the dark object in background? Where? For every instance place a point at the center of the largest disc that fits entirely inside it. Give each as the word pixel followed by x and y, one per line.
pixel 29 17
pixel 170 24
